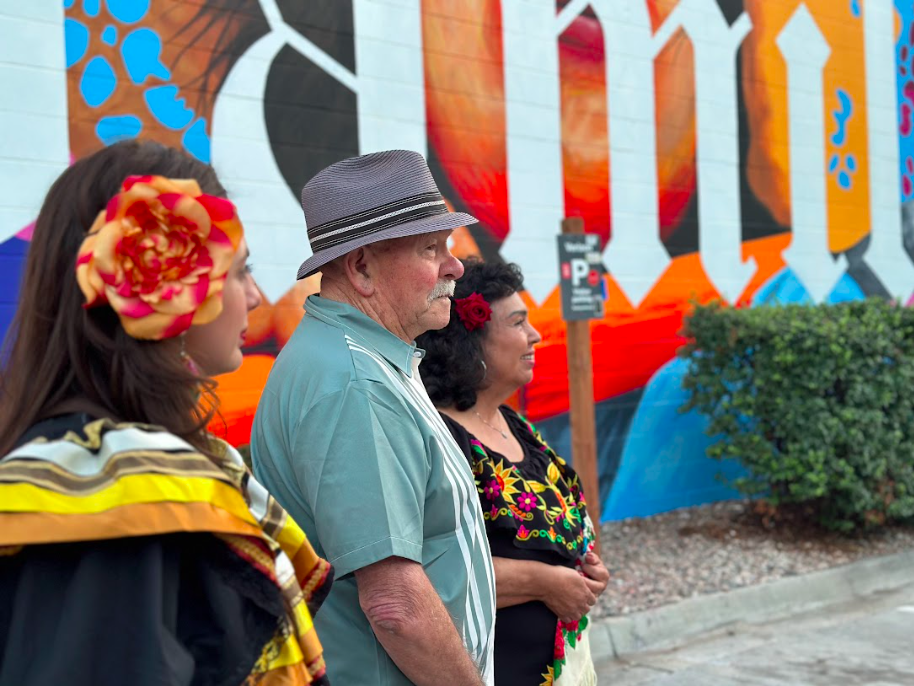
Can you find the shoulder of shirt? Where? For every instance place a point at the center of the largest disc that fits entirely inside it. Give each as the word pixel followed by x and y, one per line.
pixel 319 350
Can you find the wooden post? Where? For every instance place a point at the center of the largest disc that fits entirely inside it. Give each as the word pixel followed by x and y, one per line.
pixel 581 410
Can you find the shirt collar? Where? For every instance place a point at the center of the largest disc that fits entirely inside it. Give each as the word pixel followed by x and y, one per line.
pixel 368 332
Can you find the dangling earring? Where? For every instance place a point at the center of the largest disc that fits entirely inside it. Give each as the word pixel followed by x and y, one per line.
pixel 187 359
pixel 485 370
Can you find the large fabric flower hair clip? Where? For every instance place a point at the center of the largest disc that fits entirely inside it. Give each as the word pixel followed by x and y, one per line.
pixel 159 255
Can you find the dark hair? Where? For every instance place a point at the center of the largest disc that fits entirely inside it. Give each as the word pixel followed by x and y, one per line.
pixel 453 368
pixel 58 352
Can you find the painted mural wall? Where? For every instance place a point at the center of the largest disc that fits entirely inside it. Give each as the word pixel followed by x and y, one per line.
pixel 756 151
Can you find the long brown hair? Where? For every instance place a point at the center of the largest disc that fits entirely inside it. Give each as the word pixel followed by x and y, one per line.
pixel 59 354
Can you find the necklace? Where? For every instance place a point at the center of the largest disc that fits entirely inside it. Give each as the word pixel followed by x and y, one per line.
pixel 503 434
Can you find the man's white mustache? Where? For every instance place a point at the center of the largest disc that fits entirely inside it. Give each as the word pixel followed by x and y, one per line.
pixel 442 289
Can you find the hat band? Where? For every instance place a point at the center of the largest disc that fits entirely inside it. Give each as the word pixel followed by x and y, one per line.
pixel 354 226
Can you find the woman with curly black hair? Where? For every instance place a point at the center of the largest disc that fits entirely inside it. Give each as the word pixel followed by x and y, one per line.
pixel 546 573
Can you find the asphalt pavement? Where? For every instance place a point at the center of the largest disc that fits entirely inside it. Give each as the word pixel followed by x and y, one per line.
pixel 865 641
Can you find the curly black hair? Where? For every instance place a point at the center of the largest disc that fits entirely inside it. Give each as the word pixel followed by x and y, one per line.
pixel 453 368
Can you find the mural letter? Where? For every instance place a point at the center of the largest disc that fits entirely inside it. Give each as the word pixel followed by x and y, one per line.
pixel 635 254
pixel 534 141
pixel 806 52
pixel 720 223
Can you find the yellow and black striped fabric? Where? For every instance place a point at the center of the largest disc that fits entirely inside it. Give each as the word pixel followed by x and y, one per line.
pixel 107 481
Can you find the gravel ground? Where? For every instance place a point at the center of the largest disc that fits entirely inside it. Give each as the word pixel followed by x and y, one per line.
pixel 694 551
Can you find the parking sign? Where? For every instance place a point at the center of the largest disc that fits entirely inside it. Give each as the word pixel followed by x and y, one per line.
pixel 581 276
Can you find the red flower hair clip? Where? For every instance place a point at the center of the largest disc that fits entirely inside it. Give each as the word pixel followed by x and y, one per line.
pixel 473 311
pixel 159 255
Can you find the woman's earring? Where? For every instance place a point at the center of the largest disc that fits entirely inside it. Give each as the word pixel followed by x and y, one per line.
pixel 185 358
pixel 485 370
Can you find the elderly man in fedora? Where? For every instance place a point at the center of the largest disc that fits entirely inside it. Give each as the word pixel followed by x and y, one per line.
pixel 348 441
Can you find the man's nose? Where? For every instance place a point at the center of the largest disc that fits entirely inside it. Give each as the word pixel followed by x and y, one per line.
pixel 452 267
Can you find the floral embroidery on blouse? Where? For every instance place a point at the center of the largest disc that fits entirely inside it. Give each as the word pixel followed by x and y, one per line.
pixel 546 514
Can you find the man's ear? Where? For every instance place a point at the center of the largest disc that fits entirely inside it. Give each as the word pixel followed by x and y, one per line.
pixel 357 268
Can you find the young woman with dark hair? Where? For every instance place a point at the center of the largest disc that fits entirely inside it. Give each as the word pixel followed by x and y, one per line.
pixel 546 574
pixel 135 548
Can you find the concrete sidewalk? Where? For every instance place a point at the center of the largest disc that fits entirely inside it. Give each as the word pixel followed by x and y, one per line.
pixel 863 641
pixel 672 625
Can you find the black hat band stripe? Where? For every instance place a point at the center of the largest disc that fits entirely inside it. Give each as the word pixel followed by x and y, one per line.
pixel 430 210
pixel 359 219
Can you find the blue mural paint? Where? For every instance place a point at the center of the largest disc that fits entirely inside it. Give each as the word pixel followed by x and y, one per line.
pixel 664 465
pixel 141 50
pixel 109 35
pixel 782 288
pixel 846 290
pixel 76 40
pixel 905 10
pixel 785 288
pixel 12 262
pixel 98 81
pixel 196 141
pixel 844 176
pixel 855 7
pixel 128 11
pixel 841 117
pixel 165 106
pixel 67 4
pixel 91 7
pixel 113 129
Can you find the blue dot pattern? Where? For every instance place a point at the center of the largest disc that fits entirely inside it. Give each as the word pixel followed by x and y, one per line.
pixel 196 141
pixel 842 165
pixel 128 11
pixel 113 129
pixel 76 38
pixel 140 51
pixel 165 105
pixel 98 82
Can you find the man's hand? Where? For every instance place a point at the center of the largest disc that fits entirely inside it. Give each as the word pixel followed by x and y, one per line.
pixel 596 572
pixel 568 593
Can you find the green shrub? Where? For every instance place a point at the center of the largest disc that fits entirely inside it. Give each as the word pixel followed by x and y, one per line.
pixel 817 402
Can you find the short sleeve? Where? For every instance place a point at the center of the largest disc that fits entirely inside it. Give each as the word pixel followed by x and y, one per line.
pixel 363 467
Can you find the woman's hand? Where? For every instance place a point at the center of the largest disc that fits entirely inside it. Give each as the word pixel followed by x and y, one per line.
pixel 568 593
pixel 597 574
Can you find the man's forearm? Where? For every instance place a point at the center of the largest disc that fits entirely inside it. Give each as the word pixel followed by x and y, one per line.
pixel 428 651
pixel 412 624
